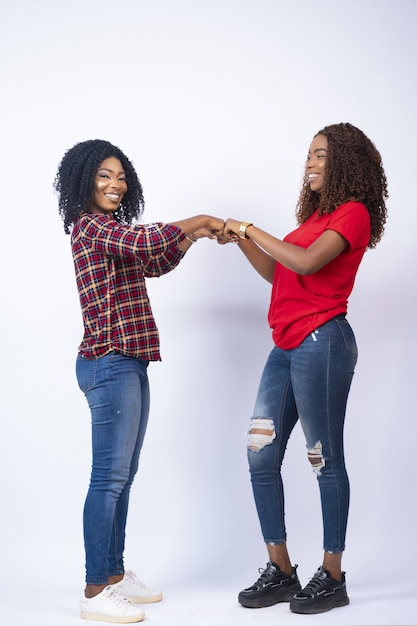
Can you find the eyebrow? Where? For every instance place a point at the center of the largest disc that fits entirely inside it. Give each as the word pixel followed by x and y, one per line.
pixel 317 150
pixel 107 169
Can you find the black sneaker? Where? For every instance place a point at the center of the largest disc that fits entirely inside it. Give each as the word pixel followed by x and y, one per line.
pixel 321 594
pixel 272 586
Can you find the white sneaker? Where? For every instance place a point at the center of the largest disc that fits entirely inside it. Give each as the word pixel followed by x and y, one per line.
pixel 110 606
pixel 135 590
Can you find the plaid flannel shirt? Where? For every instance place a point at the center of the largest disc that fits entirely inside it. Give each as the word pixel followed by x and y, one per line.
pixel 111 263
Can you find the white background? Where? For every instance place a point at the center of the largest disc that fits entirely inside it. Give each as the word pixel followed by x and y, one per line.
pixel 216 102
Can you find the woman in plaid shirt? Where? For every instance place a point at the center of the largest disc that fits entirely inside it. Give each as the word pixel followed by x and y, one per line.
pixel 100 198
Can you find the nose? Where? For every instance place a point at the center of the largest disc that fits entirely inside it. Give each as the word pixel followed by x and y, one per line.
pixel 115 183
pixel 311 162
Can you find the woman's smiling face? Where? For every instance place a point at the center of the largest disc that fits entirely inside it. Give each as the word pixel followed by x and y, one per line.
pixel 109 187
pixel 316 163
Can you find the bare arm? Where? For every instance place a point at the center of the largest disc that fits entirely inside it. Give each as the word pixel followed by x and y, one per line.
pixel 262 262
pixel 300 260
pixel 199 226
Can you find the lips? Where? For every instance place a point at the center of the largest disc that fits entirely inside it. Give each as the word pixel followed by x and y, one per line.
pixel 114 197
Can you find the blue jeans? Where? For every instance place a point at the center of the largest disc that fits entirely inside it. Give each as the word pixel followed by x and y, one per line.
pixel 310 383
pixel 117 391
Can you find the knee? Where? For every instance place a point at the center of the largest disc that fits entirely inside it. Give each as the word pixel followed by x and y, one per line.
pixel 261 433
pixel 315 456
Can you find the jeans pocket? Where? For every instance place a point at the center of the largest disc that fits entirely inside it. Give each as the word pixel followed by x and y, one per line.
pixel 348 336
pixel 86 371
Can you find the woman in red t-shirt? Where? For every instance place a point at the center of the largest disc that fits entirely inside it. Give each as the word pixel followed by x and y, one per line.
pixel 341 212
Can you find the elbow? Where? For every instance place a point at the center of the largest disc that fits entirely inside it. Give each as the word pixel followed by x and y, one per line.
pixel 305 269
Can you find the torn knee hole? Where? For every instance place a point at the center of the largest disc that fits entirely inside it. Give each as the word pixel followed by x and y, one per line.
pixel 261 434
pixel 315 456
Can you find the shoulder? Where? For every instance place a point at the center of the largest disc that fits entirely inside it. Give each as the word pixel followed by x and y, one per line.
pixel 350 213
pixel 90 224
pixel 353 221
pixel 351 209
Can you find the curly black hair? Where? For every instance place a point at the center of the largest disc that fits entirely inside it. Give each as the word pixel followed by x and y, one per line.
pixel 74 182
pixel 354 171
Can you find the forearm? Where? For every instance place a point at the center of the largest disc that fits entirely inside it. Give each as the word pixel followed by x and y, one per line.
pixel 198 226
pixel 300 260
pixel 286 254
pixel 186 243
pixel 191 224
pixel 261 261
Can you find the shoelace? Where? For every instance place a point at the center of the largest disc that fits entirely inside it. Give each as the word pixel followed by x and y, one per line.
pixel 316 582
pixel 265 573
pixel 117 598
pixel 134 580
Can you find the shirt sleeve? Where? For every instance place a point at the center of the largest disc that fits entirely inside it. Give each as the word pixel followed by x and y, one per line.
pixel 353 222
pixel 155 267
pixel 151 243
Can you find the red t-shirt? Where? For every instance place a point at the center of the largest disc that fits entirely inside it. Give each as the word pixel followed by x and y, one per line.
pixel 300 304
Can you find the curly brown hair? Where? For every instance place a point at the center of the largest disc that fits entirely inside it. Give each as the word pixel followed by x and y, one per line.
pixel 354 171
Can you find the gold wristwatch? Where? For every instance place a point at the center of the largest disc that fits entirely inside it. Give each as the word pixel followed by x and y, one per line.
pixel 242 229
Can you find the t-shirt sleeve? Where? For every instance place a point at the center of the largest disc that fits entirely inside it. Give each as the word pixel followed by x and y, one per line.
pixel 353 222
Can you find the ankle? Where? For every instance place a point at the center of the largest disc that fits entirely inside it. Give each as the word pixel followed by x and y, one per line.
pixel 287 569
pixel 284 565
pixel 113 580
pixel 336 575
pixel 332 562
pixel 278 554
pixel 335 572
pixel 93 590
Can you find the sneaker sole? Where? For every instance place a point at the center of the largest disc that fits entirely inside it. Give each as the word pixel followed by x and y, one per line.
pixel 113 619
pixel 142 600
pixel 270 600
pixel 323 608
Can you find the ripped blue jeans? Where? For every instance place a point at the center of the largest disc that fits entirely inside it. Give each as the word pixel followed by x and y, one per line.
pixel 310 383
